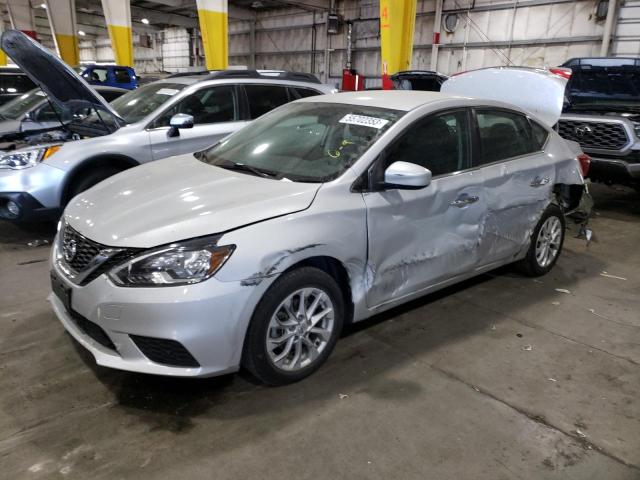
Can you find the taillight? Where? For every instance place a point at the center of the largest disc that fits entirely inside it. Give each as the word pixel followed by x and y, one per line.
pixel 585 162
pixel 562 71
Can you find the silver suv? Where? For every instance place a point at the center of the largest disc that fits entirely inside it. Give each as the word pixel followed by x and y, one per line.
pixel 177 115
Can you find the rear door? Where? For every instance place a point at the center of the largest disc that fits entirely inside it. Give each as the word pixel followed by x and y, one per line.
pixel 420 238
pixel 264 98
pixel 518 179
pixel 216 114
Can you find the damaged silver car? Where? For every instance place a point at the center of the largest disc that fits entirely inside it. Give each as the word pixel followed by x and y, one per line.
pixel 257 251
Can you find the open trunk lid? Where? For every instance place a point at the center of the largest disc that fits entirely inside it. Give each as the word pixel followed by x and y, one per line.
pixel 63 85
pixel 534 90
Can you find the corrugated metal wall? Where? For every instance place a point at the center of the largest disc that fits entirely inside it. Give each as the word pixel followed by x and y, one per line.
pixel 488 32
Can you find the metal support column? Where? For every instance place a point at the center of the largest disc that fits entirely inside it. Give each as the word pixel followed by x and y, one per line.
pixel 213 16
pixel 397 22
pixel 609 27
pixel 117 14
pixel 62 19
pixel 437 25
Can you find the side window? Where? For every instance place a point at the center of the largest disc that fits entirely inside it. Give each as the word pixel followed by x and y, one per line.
pixel 97 75
pixel 539 134
pixel 264 98
pixel 299 92
pixel 122 75
pixel 503 135
pixel 437 142
pixel 207 105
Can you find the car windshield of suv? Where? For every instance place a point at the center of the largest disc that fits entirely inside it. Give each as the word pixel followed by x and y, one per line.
pixel 19 106
pixel 303 142
pixel 611 85
pixel 139 103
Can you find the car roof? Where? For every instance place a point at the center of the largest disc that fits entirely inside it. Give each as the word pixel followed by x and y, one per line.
pixel 392 99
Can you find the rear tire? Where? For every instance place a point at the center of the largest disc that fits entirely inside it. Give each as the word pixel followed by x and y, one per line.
pixel 286 342
pixel 547 240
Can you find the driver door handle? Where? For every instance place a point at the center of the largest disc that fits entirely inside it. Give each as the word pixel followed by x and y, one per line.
pixel 539 181
pixel 463 201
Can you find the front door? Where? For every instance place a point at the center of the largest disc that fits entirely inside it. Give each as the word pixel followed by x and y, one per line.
pixel 420 238
pixel 215 115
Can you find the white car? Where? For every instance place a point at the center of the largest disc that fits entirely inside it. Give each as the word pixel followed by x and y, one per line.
pixel 257 251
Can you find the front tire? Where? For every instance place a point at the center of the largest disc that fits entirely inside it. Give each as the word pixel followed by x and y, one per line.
pixel 547 240
pixel 294 327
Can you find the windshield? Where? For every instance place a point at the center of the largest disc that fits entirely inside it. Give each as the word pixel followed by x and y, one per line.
pixel 139 103
pixel 306 142
pixel 604 86
pixel 16 108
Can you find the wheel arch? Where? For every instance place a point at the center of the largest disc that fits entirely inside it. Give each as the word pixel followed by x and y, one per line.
pixel 334 268
pixel 122 162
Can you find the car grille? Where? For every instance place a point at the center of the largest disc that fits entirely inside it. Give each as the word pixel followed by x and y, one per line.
pixel 595 135
pixel 164 351
pixel 86 251
pixel 92 330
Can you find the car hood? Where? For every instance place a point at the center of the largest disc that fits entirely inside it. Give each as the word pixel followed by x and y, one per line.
pixel 61 83
pixel 180 198
pixel 534 90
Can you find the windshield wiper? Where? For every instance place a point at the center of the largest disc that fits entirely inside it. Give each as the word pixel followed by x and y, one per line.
pixel 241 167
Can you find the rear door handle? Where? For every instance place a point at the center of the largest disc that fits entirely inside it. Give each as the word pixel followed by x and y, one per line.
pixel 463 201
pixel 539 181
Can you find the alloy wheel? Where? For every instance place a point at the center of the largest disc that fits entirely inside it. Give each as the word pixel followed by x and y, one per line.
pixel 548 241
pixel 300 329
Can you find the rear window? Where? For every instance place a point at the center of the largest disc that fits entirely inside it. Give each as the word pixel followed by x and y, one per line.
pixel 264 98
pixel 503 135
pixel 122 75
pixel 539 135
pixel 299 92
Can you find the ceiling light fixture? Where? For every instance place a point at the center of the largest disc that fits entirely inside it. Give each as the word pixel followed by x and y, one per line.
pixel 43 5
pixel 81 33
pixel 145 21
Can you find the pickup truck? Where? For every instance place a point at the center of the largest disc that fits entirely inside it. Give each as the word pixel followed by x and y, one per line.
pixel 602 113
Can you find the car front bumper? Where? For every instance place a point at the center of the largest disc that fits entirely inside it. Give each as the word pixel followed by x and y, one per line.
pixel 610 170
pixel 36 192
pixel 208 320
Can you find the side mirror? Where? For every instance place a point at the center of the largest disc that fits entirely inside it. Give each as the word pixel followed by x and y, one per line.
pixel 179 121
pixel 405 175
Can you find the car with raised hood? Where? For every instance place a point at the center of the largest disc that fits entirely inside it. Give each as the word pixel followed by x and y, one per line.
pixel 164 118
pixel 32 117
pixel 602 114
pixel 256 252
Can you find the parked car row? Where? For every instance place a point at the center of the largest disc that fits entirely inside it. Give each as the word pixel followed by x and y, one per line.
pixel 258 248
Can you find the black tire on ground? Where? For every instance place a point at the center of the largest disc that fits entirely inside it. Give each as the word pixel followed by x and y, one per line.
pixel 88 179
pixel 529 265
pixel 255 357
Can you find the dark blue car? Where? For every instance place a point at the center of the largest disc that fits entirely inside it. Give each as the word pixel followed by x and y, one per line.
pixel 111 76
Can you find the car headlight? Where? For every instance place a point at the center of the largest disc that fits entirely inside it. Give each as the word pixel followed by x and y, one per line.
pixel 176 264
pixel 27 158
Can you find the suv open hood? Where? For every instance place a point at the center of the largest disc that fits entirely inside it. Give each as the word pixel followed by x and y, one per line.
pixel 70 93
pixel 533 90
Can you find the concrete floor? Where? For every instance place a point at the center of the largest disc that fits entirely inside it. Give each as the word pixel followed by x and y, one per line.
pixel 502 377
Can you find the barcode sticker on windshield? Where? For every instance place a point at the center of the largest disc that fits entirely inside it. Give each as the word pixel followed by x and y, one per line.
pixel 364 121
pixel 167 91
